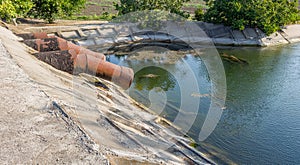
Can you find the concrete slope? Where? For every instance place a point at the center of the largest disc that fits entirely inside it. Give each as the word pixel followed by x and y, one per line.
pixel 100 123
pixel 32 130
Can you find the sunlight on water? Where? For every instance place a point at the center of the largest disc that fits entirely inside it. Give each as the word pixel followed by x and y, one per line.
pixel 261 121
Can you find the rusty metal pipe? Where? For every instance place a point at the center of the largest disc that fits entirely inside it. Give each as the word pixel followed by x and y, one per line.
pixel 56 44
pixel 120 75
pixel 66 45
pixel 38 35
pixel 67 56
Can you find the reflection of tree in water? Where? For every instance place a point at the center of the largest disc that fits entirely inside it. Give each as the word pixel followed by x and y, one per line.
pixel 151 77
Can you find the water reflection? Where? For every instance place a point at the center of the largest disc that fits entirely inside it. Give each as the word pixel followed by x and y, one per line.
pixel 261 123
pixel 152 77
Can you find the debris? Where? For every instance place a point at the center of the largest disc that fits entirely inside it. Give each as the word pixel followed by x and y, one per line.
pixel 149 76
pixel 233 59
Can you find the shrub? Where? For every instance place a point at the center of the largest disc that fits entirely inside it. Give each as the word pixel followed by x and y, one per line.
pixel 14 8
pixel 199 14
pixel 173 6
pixel 49 10
pixel 268 15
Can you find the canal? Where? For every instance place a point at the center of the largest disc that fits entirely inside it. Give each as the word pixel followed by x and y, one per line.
pixel 260 123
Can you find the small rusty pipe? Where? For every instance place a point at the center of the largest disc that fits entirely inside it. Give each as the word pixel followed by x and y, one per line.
pixel 56 44
pixel 38 35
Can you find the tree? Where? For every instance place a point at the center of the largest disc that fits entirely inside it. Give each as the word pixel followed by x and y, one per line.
pixel 14 8
pixel 268 15
pixel 173 6
pixel 49 10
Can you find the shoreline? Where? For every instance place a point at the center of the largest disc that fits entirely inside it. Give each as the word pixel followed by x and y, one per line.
pixel 101 35
pixel 106 126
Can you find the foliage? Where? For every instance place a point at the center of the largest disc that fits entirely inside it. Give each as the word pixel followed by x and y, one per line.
pixel 199 13
pixel 14 8
pixel 45 9
pixel 149 20
pixel 268 15
pixel 173 6
pixel 49 10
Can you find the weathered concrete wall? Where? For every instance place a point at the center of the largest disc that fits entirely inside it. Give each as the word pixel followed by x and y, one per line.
pixel 101 37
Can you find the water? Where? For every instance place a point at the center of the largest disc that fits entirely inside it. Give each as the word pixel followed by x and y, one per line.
pixel 261 122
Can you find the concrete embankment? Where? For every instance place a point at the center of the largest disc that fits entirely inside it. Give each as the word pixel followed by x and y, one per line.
pixel 52 116
pixel 126 36
pixel 226 36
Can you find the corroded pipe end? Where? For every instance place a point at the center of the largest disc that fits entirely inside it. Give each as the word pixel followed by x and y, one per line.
pixel 120 75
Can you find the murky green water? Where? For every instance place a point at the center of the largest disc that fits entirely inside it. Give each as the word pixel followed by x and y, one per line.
pixel 261 122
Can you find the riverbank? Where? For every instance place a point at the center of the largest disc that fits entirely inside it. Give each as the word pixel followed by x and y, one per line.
pixel 52 116
pixel 100 35
pixel 226 36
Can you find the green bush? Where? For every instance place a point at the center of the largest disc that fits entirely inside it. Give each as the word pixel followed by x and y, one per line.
pixel 7 10
pixel 199 13
pixel 173 6
pixel 49 10
pixel 268 15
pixel 14 8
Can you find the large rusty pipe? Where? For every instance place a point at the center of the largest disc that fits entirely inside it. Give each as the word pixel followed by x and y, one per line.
pixel 66 45
pixel 120 75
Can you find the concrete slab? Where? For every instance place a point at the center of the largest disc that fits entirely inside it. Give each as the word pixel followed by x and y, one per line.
pixel 70 35
pixel 88 42
pixel 104 41
pixel 238 35
pixel 123 30
pixel 107 32
pixel 292 33
pixel 91 33
pixel 250 33
pixel 219 33
pixel 274 39
pixel 123 39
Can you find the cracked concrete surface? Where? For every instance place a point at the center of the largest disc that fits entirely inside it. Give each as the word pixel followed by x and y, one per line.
pixel 32 130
